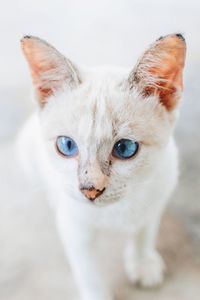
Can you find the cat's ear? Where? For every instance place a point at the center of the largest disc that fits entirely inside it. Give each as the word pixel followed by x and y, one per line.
pixel 50 69
pixel 160 70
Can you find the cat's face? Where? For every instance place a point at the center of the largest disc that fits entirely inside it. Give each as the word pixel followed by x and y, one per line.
pixel 106 130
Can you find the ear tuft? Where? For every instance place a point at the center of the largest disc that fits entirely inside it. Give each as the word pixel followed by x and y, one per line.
pixel 160 70
pixel 50 70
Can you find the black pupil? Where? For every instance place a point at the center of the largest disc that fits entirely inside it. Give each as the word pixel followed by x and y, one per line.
pixel 122 147
pixel 69 144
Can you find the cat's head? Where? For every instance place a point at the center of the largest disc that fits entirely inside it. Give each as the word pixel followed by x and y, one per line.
pixel 105 128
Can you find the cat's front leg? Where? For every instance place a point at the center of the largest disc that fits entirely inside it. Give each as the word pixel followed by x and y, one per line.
pixel 143 263
pixel 79 243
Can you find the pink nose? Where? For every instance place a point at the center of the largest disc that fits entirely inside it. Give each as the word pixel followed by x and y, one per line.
pixel 91 192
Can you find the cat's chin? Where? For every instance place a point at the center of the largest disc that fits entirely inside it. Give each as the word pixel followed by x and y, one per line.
pixel 99 202
pixel 106 202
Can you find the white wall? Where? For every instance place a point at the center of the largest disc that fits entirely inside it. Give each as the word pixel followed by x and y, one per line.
pixel 92 32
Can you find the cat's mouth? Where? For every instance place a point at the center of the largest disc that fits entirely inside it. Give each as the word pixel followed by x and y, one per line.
pixel 108 197
pixel 105 199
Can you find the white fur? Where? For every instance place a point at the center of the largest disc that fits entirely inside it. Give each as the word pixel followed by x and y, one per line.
pixel 137 190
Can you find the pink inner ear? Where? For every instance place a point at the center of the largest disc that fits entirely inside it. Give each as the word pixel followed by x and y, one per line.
pixel 167 91
pixel 49 68
pixel 166 71
pixel 44 87
pixel 43 94
pixel 43 61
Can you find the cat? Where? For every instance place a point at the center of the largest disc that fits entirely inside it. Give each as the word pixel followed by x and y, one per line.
pixel 102 143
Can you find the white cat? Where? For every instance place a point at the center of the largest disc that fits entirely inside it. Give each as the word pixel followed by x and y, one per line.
pixel 101 141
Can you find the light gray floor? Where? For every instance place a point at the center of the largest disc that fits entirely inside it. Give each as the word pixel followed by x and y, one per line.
pixel 32 261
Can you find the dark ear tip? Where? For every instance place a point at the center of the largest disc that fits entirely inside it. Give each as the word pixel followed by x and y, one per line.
pixel 27 37
pixel 160 38
pixel 179 35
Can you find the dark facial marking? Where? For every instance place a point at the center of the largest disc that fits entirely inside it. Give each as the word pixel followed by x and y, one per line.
pixel 105 167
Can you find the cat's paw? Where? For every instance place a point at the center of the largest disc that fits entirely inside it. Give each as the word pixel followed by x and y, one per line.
pixel 147 271
pixel 152 269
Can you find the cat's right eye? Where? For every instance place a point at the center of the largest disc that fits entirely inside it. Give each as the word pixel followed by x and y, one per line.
pixel 125 149
pixel 66 146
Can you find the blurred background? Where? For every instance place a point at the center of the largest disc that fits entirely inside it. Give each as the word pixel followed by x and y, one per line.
pixel 32 261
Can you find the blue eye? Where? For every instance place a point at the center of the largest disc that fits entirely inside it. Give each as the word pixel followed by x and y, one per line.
pixel 66 146
pixel 124 149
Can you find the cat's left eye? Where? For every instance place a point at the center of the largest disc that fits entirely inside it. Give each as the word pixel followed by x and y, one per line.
pixel 66 146
pixel 125 149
